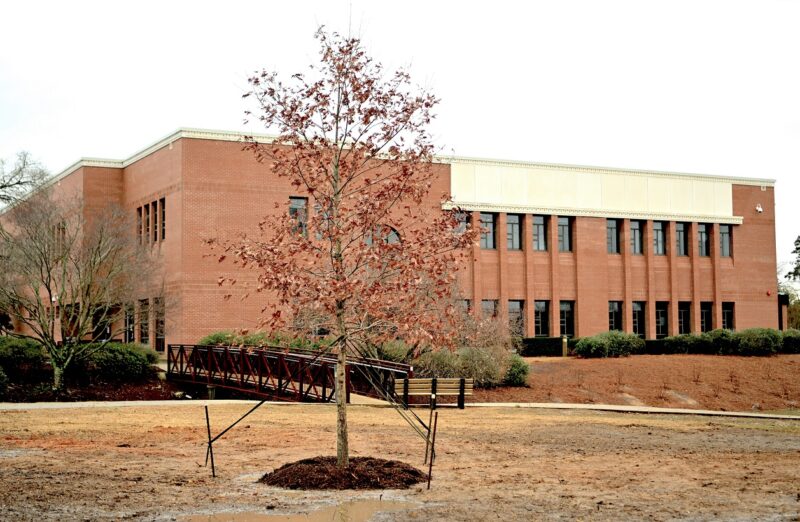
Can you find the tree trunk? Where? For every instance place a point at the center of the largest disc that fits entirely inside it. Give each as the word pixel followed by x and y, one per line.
pixel 342 449
pixel 58 378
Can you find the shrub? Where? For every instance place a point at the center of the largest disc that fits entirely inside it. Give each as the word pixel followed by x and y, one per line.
pixel 609 344
pixel 441 363
pixel 791 341
pixel 482 365
pixel 217 338
pixel 688 343
pixel 21 358
pixel 117 362
pixel 395 351
pixel 758 341
pixel 517 373
pixel 723 342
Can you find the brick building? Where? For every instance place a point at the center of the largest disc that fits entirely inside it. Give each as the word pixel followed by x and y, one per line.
pixel 567 249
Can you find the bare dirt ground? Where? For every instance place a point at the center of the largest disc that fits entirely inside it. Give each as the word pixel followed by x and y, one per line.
pixel 493 463
pixel 679 381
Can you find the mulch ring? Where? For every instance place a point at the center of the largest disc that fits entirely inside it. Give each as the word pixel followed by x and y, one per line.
pixel 363 473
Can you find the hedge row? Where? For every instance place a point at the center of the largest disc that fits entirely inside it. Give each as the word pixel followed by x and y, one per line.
pixel 229 338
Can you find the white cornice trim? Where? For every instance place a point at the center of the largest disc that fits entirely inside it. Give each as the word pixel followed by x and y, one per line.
pixel 555 211
pixel 222 135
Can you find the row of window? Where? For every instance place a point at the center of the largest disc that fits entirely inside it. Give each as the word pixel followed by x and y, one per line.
pixel 613 234
pixel 144 312
pixel 541 315
pixel 151 221
pixel 660 239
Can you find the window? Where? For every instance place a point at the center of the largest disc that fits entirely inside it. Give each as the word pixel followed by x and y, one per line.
pixel 130 322
pixel 727 316
pixel 147 223
pixel 684 317
pixel 487 230
pixel 465 305
pixel 612 236
pixel 139 224
pixel 463 219
pixel 516 317
pixel 298 213
pixel 662 319
pixel 725 240
pixel 681 245
pixel 567 316
pixel 541 318
pixel 144 321
pixel 614 315
pixel 162 206
pixel 389 235
pixel 154 206
pixel 706 315
pixel 564 234
pixel 702 239
pixel 638 308
pixel 659 238
pixel 636 237
pixel 489 308
pixel 158 303
pixel 513 236
pixel 540 233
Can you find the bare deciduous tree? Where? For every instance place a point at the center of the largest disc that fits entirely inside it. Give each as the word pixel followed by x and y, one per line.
pixel 68 276
pixel 20 179
pixel 364 251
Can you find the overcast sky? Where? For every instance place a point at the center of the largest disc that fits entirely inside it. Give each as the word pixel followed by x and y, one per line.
pixel 691 86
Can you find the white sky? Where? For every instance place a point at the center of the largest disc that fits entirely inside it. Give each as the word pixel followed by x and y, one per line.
pixel 683 85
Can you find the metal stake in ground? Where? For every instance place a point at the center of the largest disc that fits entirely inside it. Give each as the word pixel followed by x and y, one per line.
pixel 428 438
pixel 210 450
pixel 433 449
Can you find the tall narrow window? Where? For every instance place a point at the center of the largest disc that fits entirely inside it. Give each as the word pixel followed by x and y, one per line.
pixel 516 317
pixel 706 315
pixel 298 213
pixel 728 316
pixel 129 334
pixel 160 325
pixel 463 219
pixel 487 230
pixel 147 222
pixel 725 240
pixel 162 205
pixel 567 316
pixel 139 224
pixel 541 317
pixel 614 315
pixel 684 317
pixel 466 305
pixel 156 214
pixel 513 236
pixel 662 319
pixel 659 238
pixel 638 318
pixel 612 236
pixel 564 234
pixel 489 308
pixel 702 239
pixel 636 237
pixel 681 243
pixel 540 233
pixel 144 321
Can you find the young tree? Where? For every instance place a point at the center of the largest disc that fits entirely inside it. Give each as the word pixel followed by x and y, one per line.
pixel 794 273
pixel 23 176
pixel 363 252
pixel 68 276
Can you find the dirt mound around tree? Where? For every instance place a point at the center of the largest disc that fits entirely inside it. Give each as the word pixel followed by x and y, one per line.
pixel 363 473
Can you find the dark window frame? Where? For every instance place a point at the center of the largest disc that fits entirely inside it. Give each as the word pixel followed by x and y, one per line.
pixel 637 245
pixel 541 318
pixel 703 240
pixel 725 241
pixel 539 233
pixel 615 315
pixel 639 318
pixel 513 232
pixel 516 316
pixel 662 319
pixel 729 315
pixel 298 211
pixel 612 236
pixel 681 239
pixel 488 230
pixel 659 238
pixel 684 317
pixel 565 233
pixel 706 316
pixel 489 308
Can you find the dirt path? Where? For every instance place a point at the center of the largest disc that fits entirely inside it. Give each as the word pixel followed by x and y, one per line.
pixel 494 463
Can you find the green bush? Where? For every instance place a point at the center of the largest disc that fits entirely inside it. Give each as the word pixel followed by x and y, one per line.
pixel 21 358
pixel 118 362
pixel 609 344
pixel 217 338
pixel 517 373
pixel 791 341
pixel 440 363
pixel 758 341
pixel 688 343
pixel 395 351
pixel 481 365
pixel 723 342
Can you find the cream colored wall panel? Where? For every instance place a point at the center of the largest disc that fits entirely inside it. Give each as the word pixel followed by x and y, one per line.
pixel 586 191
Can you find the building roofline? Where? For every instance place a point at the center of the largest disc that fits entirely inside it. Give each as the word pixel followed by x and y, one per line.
pixel 222 135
